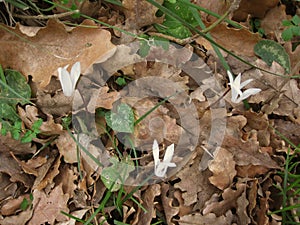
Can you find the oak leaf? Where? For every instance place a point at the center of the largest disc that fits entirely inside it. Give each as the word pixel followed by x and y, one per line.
pixel 53 43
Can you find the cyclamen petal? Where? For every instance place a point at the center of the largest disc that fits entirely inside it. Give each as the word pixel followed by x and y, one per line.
pixel 160 167
pixel 68 80
pixel 236 93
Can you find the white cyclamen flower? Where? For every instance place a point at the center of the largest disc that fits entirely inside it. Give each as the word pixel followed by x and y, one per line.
pixel 236 88
pixel 160 167
pixel 68 80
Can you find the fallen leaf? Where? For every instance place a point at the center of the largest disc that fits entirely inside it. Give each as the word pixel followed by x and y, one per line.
pixel 223 169
pixel 149 204
pixel 194 184
pixel 106 99
pixel 241 209
pixel 167 202
pixel 30 115
pixel 6 186
pixel 206 219
pixel 255 8
pixel 11 167
pixel 140 13
pixel 20 219
pixel 86 45
pixel 229 201
pixel 47 208
pixel 67 147
pixel 232 39
pixel 12 205
pixel 272 22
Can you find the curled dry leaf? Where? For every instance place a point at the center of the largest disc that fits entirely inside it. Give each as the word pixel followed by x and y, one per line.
pixel 241 209
pixel 30 115
pixel 223 169
pixel 169 210
pixel 8 144
pixel 148 203
pixel 229 201
pixel 12 205
pixel 194 184
pixel 47 208
pixel 6 186
pixel 10 166
pixel 31 55
pixel 67 147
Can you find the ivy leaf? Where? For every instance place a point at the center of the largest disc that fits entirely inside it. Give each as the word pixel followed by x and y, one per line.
pixel 122 120
pixel 271 51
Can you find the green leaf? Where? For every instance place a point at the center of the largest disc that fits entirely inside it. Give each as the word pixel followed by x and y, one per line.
pixel 122 120
pixel 24 204
pixel 296 20
pixel 287 34
pixel 8 112
pixel 173 27
pixel 117 173
pixel 36 126
pixel 18 83
pixel 120 81
pixel 271 51
pixel 286 23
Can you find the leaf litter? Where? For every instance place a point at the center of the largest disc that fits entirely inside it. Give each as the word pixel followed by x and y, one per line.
pixel 233 187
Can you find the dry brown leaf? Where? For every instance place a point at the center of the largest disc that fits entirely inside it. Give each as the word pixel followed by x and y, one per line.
pixel 248 152
pixel 58 104
pixel 11 167
pixel 149 204
pixel 8 144
pixel 294 55
pixel 198 219
pixel 67 147
pixel 241 209
pixel 30 115
pixel 232 39
pixel 169 210
pixel 272 22
pixel 20 219
pixel 12 205
pixel 223 169
pixel 31 55
pixel 194 184
pixel 255 8
pixel 215 6
pixel 44 173
pixel 78 213
pixel 262 213
pixel 67 178
pixel 47 208
pixel 229 201
pixel 140 13
pixel 106 99
pixel 6 186
pixel 183 210
pixel 289 130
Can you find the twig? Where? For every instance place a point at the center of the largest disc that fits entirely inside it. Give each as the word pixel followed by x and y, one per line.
pixel 46 17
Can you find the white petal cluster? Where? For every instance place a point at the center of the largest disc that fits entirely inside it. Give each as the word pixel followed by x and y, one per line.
pixel 236 88
pixel 68 80
pixel 160 167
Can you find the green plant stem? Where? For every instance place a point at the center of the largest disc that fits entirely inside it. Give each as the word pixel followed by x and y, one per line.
pixel 232 23
pixel 215 47
pixel 182 21
pixel 216 23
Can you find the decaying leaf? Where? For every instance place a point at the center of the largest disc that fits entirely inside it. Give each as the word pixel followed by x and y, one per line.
pixel 149 204
pixel 140 13
pixel 194 184
pixel 31 55
pixel 47 208
pixel 223 168
pixel 169 209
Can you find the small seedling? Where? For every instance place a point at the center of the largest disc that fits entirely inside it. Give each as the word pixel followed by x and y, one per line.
pixel 293 28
